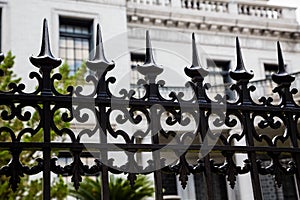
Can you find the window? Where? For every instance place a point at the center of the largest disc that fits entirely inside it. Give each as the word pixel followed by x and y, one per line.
pixel 268 84
pixel 219 77
pixel 136 59
pixel 75 41
pixel 218 184
pixel 270 69
pixel 270 190
pixel 169 184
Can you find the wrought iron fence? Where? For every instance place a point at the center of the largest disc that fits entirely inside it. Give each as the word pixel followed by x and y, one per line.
pixel 242 114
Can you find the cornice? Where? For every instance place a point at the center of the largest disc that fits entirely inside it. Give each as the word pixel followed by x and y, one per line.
pixel 263 28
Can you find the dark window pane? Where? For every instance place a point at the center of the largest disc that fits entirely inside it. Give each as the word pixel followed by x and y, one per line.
pixel 218 183
pixel 219 78
pixel 169 184
pixel 136 59
pixel 85 44
pixel 77 29
pixel 270 69
pixel 75 41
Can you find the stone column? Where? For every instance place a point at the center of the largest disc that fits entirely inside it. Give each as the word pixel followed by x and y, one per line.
pixel 233 7
pixel 176 3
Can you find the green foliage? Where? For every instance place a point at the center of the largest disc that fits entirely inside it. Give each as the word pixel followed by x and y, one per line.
pixel 31 189
pixel 9 76
pixel 119 188
pixel 15 125
pixel 59 189
pixel 78 77
pixel 89 189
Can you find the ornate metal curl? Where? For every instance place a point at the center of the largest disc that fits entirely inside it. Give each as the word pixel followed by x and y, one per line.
pixel 243 115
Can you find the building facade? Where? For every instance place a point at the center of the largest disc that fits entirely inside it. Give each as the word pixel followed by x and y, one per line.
pixel 215 23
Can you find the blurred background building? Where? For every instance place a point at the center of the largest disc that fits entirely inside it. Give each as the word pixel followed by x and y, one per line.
pixel 216 23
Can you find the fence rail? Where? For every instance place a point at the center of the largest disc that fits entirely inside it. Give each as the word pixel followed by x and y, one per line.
pixel 243 114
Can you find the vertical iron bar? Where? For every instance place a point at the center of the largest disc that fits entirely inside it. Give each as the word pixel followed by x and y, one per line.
pixel 207 172
pixel 45 61
pixel 46 152
pixel 156 154
pixel 157 173
pixel 104 157
pixel 151 74
pixel 292 130
pixel 101 66
pixel 252 157
pixel 284 82
pixel 242 76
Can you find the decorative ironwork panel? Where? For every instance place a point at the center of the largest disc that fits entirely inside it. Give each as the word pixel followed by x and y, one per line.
pixel 244 119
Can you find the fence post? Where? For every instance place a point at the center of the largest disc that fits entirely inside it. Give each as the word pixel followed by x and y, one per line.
pixel 46 62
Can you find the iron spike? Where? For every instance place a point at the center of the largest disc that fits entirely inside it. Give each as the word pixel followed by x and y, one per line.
pixel 149 52
pixel 99 63
pixel 149 68
pixel 195 62
pixel 195 70
pixel 99 54
pixel 240 73
pixel 239 62
pixel 281 77
pixel 281 65
pixel 45 59
pixel 45 48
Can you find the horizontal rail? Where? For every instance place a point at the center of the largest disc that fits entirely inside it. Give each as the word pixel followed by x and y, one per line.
pixel 139 147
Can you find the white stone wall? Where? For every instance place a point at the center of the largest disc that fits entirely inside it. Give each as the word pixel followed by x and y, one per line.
pixel 22 26
pixel 123 27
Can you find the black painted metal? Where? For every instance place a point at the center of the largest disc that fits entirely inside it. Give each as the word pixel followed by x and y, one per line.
pixel 46 100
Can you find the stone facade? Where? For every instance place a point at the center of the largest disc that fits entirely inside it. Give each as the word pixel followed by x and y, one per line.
pixel 171 22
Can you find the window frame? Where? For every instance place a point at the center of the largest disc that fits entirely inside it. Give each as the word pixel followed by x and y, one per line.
pixel 80 22
pixel 139 58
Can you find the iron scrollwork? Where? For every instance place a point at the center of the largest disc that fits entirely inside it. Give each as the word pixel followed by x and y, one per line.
pixel 242 118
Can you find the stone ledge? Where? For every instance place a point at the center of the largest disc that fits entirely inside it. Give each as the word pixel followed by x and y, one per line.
pixel 213 24
pixel 208 38
pixel 107 2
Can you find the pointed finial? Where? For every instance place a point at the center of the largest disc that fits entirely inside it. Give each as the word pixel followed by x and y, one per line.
pixel 149 68
pixel 45 56
pixel 195 62
pixel 281 76
pixel 149 54
pixel 99 54
pixel 239 58
pixel 281 65
pixel 240 72
pixel 45 49
pixel 99 63
pixel 196 70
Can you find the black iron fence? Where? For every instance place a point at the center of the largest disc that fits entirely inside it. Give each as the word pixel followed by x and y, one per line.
pixel 249 120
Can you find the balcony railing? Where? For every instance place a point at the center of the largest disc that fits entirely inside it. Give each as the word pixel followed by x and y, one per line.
pixel 264 87
pixel 151 2
pixel 253 9
pixel 210 6
pixel 259 11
